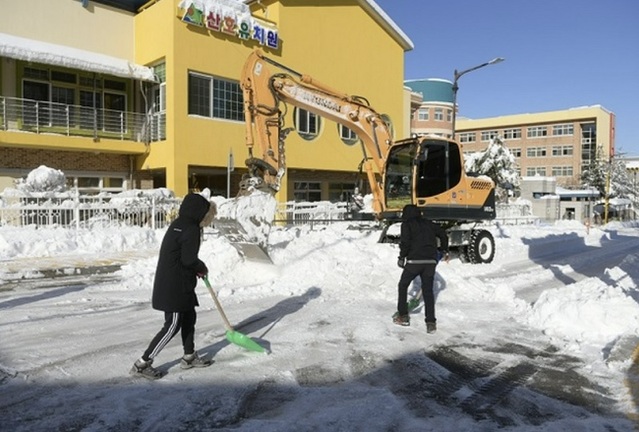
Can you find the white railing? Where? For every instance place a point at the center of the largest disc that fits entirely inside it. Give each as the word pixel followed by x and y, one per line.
pixel 29 115
pixel 87 211
pixel 514 214
pixel 102 211
pixel 299 213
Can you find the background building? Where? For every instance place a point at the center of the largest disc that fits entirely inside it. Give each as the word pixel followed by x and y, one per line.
pixel 435 112
pixel 558 144
pixel 157 102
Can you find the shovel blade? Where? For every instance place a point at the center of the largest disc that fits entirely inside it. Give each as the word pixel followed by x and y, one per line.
pixel 244 341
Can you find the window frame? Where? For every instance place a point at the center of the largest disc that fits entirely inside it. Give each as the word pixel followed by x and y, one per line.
pixel 312 124
pixel 212 105
pixel 536 131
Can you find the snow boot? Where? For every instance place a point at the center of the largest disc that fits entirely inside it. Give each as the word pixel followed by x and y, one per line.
pixel 144 369
pixel 402 320
pixel 189 361
pixel 431 327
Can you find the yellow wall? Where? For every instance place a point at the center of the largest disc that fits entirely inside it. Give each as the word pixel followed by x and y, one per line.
pixel 328 32
pixel 97 28
pixel 338 42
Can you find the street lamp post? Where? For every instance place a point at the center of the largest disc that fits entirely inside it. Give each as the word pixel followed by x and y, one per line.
pixel 456 87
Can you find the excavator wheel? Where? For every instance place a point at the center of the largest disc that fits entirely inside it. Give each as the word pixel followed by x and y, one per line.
pixel 481 249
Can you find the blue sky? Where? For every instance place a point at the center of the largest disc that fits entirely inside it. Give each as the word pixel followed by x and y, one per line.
pixel 559 54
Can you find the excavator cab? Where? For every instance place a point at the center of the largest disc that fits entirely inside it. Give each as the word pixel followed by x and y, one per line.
pixel 429 171
pixel 418 169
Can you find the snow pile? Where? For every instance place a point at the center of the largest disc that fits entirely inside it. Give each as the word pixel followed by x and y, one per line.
pixel 586 312
pixel 43 179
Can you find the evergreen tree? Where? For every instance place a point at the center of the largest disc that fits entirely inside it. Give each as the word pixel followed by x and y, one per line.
pixel 595 174
pixel 498 163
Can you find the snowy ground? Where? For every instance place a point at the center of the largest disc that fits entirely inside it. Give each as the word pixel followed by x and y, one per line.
pixel 542 339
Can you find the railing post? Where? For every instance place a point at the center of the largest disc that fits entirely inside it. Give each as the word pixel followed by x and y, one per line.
pixel 76 211
pixel 37 116
pixel 5 122
pixel 153 210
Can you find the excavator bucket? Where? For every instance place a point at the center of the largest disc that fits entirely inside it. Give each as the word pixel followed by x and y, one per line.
pixel 248 247
pixel 245 221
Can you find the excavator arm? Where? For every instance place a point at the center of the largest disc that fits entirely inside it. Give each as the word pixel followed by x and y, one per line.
pixel 427 171
pixel 266 95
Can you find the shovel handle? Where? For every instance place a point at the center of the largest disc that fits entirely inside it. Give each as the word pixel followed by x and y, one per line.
pixel 217 304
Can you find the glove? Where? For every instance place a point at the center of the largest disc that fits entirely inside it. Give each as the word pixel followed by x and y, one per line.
pixel 401 262
pixel 201 273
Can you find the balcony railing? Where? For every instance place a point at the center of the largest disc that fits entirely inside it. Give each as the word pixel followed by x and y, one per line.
pixel 29 115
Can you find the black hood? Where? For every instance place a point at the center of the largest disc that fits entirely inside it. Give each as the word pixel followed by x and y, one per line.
pixel 195 207
pixel 410 212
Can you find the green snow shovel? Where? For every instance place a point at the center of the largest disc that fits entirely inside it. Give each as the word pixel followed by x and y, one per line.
pixel 233 336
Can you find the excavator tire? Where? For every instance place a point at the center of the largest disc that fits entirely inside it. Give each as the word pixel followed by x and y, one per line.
pixel 481 249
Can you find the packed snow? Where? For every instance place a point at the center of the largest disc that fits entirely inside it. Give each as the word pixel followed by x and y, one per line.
pixel 540 339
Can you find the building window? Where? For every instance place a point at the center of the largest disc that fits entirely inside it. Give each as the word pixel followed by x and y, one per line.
pixel 563 129
pixel 439 114
pixel 389 124
pixel 533 171
pixel 467 137
pixel 347 135
pixel 562 171
pixel 537 131
pixel 307 124
pixel 512 133
pixel 61 113
pixel 422 114
pixel 516 151
pixel 340 192
pixel 88 185
pixel 449 115
pixel 536 151
pixel 488 135
pixel 158 99
pixel 562 150
pixel 215 98
pixel 307 191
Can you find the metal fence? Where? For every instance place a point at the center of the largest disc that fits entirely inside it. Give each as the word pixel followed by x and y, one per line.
pixel 87 211
pixel 299 213
pixel 35 116
pixel 103 211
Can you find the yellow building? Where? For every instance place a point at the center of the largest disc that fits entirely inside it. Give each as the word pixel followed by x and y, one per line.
pixel 122 94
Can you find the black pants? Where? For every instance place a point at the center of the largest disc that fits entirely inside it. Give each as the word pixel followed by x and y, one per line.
pixel 173 323
pixel 427 274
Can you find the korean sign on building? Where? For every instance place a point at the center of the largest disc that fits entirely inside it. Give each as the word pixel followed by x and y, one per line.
pixel 230 17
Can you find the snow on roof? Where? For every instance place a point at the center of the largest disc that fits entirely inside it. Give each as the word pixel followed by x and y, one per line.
pixel 632 165
pixel 588 193
pixel 406 43
pixel 43 52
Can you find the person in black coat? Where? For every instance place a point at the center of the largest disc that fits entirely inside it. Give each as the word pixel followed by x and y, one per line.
pixel 174 285
pixel 418 256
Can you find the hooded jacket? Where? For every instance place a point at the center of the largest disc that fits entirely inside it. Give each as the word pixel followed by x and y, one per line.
pixel 418 237
pixel 178 262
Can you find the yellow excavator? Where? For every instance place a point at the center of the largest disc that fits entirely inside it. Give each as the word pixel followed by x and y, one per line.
pixel 427 171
